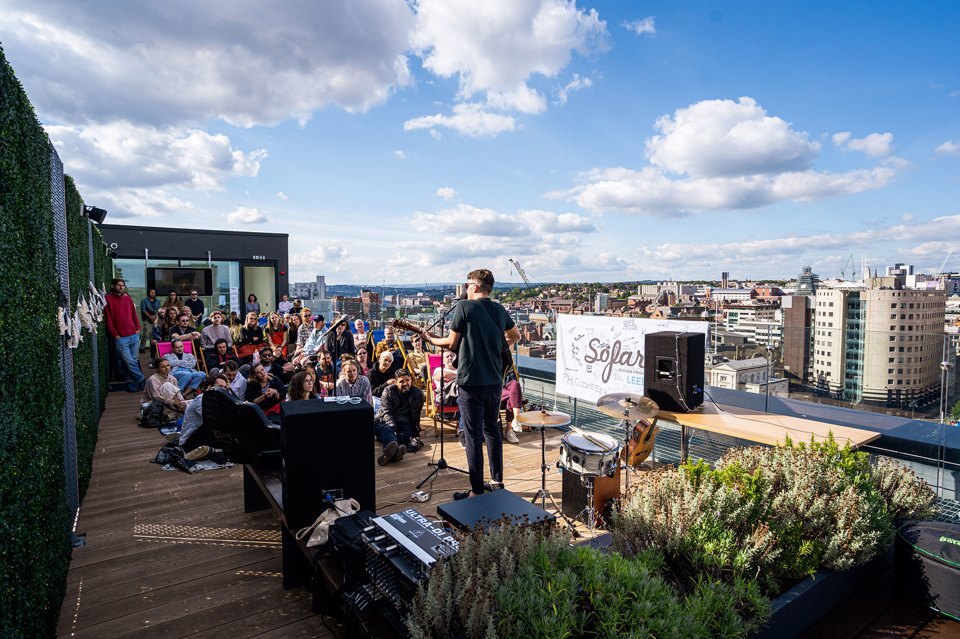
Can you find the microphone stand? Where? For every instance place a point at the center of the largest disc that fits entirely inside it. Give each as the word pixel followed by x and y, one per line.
pixel 441 464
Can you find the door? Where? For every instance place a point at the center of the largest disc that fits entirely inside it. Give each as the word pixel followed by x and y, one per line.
pixel 261 280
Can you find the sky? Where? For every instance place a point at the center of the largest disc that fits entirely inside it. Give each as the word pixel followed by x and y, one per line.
pixel 403 142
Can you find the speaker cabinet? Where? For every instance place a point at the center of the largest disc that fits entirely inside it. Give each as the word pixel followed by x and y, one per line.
pixel 574 495
pixel 326 447
pixel 673 369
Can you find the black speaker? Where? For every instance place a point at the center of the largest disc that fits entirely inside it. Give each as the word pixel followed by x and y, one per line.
pixel 327 447
pixel 673 369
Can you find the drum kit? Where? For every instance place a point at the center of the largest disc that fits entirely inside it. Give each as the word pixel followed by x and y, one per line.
pixel 591 455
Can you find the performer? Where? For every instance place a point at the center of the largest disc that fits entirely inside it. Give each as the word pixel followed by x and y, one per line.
pixel 480 332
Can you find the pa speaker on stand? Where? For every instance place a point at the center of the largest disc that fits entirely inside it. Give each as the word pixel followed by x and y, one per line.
pixel 673 369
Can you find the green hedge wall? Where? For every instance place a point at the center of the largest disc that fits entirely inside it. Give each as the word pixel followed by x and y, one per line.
pixel 34 525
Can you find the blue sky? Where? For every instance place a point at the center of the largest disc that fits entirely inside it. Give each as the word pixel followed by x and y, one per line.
pixel 404 142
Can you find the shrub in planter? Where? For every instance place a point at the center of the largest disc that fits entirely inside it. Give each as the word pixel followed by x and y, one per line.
pixel 774 514
pixel 514 583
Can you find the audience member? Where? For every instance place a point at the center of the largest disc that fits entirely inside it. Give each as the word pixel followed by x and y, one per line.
pixel 303 333
pixel 340 341
pixel 326 375
pixel 194 439
pixel 251 339
pixel 361 336
pixel 417 359
pixel 267 358
pixel 352 383
pixel 264 390
pixel 173 301
pixel 315 340
pixel 184 369
pixel 285 305
pixel 219 356
pixel 275 330
pixel 149 309
pixel 238 382
pixel 183 330
pixel 162 387
pixel 302 387
pixel 382 374
pixel 297 307
pixel 123 326
pixel 215 331
pixel 252 306
pixel 397 422
pixel 388 343
pixel 197 309
pixel 362 359
pixel 293 326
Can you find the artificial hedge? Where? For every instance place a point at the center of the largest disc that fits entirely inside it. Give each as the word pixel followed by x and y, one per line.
pixel 34 517
pixel 34 525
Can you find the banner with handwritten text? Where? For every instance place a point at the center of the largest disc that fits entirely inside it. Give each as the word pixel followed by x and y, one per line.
pixel 597 355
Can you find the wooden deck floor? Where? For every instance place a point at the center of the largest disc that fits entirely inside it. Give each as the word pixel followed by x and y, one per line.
pixel 169 554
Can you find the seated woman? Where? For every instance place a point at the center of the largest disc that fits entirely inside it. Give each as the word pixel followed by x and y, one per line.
pixel 251 339
pixel 417 358
pixel 512 394
pixel 362 360
pixel 162 387
pixel 166 321
pixel 352 383
pixel 293 328
pixel 275 330
pixel 448 374
pixel 264 390
pixel 301 387
pixel 382 373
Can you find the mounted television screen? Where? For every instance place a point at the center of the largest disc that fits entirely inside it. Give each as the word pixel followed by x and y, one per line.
pixel 181 280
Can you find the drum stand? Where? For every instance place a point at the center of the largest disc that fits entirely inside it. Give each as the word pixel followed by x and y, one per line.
pixel 542 493
pixel 628 432
pixel 589 512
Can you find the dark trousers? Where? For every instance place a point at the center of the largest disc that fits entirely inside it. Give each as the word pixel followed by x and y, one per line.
pixel 385 434
pixel 479 406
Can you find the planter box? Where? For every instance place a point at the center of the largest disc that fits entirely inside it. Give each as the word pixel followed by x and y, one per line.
pixel 799 608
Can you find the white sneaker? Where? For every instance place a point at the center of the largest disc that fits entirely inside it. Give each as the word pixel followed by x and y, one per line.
pixel 512 437
pixel 515 425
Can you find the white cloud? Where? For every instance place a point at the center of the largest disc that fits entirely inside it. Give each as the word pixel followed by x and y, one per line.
pixel 575 84
pixel 447 193
pixel 400 155
pixel 321 255
pixel 719 155
pixel 467 219
pixel 185 62
pixel 925 237
pixel 949 148
pixel 876 145
pixel 716 138
pixel 246 215
pixel 540 222
pixel 907 217
pixel 493 49
pixel 282 196
pixel 955 94
pixel 641 27
pixel 469 119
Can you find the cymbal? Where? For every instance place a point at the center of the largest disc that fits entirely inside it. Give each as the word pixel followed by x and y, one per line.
pixel 628 406
pixel 543 419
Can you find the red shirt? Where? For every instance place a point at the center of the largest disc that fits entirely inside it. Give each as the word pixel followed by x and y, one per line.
pixel 121 315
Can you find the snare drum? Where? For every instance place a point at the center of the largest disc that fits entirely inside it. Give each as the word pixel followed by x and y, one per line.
pixel 589 454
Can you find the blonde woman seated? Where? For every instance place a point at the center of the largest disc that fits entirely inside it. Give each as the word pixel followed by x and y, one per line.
pixel 448 375
pixel 301 386
pixel 352 383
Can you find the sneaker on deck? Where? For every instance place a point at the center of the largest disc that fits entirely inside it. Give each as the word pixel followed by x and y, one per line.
pixel 511 437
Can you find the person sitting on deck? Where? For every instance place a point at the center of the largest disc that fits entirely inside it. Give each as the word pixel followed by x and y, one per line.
pixel 302 386
pixel 183 330
pixel 418 359
pixel 382 374
pixel 352 383
pixel 397 422
pixel 326 375
pixel 192 437
pixel 184 369
pixel 213 332
pixel 238 382
pixel 388 343
pixel 268 360
pixel 251 339
pixel 162 387
pixel 264 390
pixel 219 357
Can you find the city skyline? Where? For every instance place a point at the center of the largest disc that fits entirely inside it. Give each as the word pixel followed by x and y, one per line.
pixel 598 141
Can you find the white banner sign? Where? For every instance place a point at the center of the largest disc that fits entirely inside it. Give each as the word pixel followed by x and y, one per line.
pixel 597 355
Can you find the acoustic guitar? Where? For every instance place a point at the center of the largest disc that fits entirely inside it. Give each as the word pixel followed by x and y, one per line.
pixel 506 357
pixel 641 442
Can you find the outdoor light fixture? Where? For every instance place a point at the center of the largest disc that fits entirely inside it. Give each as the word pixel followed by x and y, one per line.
pixel 95 213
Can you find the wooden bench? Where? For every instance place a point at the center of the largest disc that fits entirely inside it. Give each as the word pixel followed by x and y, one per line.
pixel 760 427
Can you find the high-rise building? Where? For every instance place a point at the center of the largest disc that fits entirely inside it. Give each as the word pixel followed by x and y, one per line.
pixel 321 287
pixel 807 283
pixel 601 302
pixel 797 313
pixel 878 346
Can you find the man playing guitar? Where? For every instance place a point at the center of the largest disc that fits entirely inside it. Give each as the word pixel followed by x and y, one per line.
pixel 479 331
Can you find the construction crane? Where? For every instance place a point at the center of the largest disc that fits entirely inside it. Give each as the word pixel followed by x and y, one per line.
pixel 853 269
pixel 521 272
pixel 944 263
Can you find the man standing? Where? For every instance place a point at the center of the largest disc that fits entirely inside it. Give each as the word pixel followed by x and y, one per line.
pixel 184 369
pixel 123 326
pixel 285 305
pixel 480 331
pixel 195 304
pixel 397 424
pixel 149 307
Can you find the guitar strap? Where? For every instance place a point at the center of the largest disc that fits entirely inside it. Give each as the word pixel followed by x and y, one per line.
pixel 500 330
